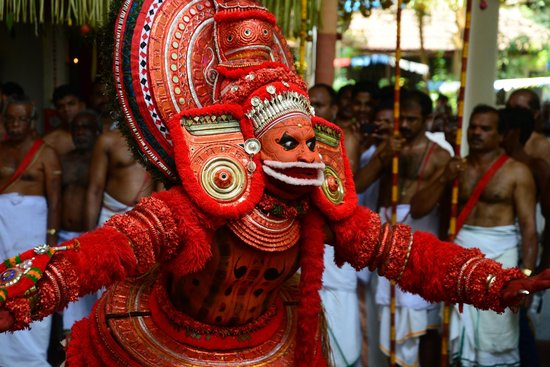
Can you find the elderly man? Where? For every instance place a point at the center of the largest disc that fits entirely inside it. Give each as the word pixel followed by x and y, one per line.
pixel 30 187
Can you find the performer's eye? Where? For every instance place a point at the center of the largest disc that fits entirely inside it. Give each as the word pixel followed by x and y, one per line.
pixel 287 142
pixel 311 144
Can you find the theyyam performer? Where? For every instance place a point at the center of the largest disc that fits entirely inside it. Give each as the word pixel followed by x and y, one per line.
pixel 204 273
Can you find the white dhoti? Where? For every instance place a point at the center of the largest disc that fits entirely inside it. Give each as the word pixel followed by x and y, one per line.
pixel 339 297
pixel 81 308
pixel 23 224
pixel 485 338
pixel 413 314
pixel 110 207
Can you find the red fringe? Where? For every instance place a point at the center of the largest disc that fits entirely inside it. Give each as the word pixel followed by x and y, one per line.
pixel 357 238
pixel 194 226
pixel 224 16
pixel 307 348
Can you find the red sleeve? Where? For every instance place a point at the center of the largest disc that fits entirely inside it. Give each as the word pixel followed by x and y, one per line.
pixel 420 263
pixel 127 245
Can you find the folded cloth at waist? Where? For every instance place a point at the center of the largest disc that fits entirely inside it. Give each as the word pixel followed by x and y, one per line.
pixel 492 241
pixel 110 207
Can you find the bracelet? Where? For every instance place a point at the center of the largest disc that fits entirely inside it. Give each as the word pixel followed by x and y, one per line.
pixel 527 272
pixel 51 231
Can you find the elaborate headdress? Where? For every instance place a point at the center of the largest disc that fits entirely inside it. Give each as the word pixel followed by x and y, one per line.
pixel 198 82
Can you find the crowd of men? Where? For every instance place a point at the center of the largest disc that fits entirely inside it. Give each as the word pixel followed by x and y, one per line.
pixel 500 207
pixel 53 188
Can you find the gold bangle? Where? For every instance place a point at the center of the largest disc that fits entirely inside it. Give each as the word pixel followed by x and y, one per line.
pixel 527 272
pixel 51 231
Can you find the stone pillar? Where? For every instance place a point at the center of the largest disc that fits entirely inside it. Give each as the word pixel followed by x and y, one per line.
pixel 326 42
pixel 482 63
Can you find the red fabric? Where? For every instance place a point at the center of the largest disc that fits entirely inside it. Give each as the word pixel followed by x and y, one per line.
pixel 307 349
pixel 353 243
pixel 27 159
pixel 478 189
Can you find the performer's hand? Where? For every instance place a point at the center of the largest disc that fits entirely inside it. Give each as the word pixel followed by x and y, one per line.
pixel 518 290
pixel 6 320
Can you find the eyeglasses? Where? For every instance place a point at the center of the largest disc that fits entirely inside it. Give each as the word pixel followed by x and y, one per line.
pixel 11 120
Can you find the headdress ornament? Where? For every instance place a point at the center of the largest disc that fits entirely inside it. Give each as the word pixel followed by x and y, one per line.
pixel 169 58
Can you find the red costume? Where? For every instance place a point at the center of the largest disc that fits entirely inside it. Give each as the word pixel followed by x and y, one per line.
pixel 203 274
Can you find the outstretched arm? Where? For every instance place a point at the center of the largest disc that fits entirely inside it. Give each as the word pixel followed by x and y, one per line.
pixel 127 245
pixel 422 264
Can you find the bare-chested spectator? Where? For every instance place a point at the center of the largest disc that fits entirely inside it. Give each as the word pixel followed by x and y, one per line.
pixel 343 100
pixel 7 90
pixel 30 186
pixel 99 102
pixel 494 191
pixel 356 137
pixel 117 180
pixel 420 159
pixel 537 146
pixel 68 103
pixel 323 100
pixel 518 125
pixel 85 128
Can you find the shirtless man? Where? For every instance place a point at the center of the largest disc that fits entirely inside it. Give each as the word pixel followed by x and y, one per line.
pixel 323 100
pixel 490 225
pixel 7 90
pixel 30 185
pixel 68 103
pixel 99 102
pixel 363 101
pixel 419 160
pixel 537 146
pixel 518 126
pixel 76 164
pixel 117 180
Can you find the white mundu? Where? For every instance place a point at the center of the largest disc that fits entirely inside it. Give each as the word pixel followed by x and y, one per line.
pixel 486 338
pixel 414 315
pixel 23 224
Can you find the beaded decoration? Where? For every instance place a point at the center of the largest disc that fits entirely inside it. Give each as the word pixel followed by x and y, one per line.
pixel 19 274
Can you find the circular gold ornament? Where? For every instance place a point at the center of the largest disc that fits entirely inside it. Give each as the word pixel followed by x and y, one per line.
pixel 223 178
pixel 332 187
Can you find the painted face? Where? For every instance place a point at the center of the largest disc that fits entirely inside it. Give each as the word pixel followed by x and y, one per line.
pixel 290 157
